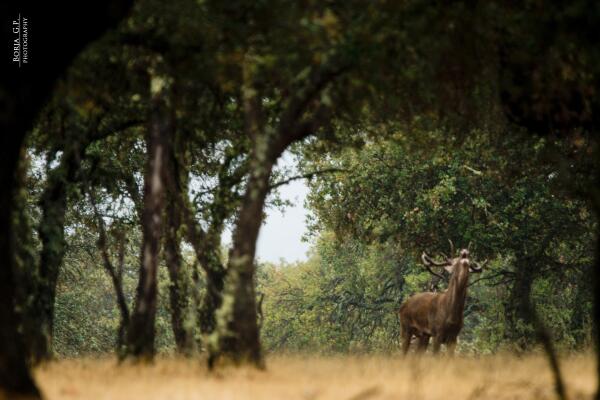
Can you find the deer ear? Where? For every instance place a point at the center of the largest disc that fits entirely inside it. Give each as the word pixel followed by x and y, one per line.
pixel 449 268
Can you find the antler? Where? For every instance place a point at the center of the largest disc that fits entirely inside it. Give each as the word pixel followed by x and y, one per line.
pixel 476 267
pixel 429 262
pixel 451 248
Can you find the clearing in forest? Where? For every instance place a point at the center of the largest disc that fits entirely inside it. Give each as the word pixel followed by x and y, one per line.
pixel 309 377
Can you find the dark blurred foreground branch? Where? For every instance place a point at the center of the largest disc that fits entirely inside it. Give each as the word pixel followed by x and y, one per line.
pixel 545 338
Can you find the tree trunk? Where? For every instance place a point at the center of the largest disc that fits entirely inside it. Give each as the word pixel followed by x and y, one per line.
pixel 22 93
pixel 141 333
pixel 52 236
pixel 124 311
pixel 179 288
pixel 518 329
pixel 584 292
pixel 237 335
pixel 51 233
pixel 595 198
pixel 115 275
pixel 15 378
pixel 213 295
pixel 206 247
pixel 596 278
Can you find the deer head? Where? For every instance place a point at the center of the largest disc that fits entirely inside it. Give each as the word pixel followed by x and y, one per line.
pixel 451 263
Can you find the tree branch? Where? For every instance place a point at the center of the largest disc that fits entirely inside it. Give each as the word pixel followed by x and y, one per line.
pixel 289 129
pixel 308 175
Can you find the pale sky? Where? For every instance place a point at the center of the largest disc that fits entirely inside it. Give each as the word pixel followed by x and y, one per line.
pixel 281 233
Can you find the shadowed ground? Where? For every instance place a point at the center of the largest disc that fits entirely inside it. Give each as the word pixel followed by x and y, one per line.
pixel 295 377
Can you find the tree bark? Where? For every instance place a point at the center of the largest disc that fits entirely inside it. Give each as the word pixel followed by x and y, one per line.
pixel 237 335
pixel 15 378
pixel 595 199
pixel 596 276
pixel 117 279
pixel 519 330
pixel 213 295
pixel 237 329
pixel 115 275
pixel 141 333
pixel 179 289
pixel 51 232
pixel 22 93
pixel 206 246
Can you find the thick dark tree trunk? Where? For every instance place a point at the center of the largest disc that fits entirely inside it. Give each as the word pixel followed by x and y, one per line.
pixel 141 333
pixel 237 335
pixel 15 378
pixel 597 296
pixel 22 93
pixel 237 331
pixel 595 195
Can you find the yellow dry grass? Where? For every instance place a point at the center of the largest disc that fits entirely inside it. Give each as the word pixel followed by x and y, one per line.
pixel 312 378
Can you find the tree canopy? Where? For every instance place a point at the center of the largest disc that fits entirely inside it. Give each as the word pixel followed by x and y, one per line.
pixel 141 141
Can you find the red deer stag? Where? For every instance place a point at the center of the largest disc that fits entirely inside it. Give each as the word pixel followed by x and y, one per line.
pixel 438 315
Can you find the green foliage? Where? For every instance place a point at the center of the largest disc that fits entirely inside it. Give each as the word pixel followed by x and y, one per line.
pixel 416 101
pixel 395 200
pixel 86 314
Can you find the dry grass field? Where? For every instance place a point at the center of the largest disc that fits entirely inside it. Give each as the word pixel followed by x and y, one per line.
pixel 306 378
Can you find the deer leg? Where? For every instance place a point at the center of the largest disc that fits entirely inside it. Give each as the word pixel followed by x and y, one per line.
pixel 450 346
pixel 436 344
pixel 406 335
pixel 423 343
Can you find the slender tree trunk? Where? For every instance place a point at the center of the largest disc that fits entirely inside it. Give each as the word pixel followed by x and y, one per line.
pixel 117 281
pixel 115 275
pixel 141 333
pixel 51 233
pixel 124 311
pixel 52 236
pixel 584 292
pixel 206 247
pixel 519 330
pixel 213 296
pixel 179 290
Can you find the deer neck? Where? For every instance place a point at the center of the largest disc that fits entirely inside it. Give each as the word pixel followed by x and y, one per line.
pixel 456 294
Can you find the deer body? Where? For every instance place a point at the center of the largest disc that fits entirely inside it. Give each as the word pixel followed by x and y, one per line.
pixel 438 315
